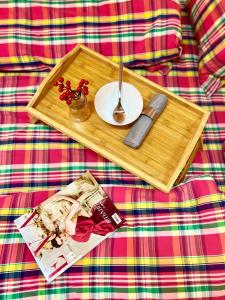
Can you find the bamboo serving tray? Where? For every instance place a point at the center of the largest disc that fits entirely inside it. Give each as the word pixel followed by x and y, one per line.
pixel 170 146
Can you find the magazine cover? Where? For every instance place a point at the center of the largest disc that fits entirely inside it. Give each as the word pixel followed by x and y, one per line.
pixel 66 226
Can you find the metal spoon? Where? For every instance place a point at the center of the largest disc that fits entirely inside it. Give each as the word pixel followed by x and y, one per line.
pixel 119 112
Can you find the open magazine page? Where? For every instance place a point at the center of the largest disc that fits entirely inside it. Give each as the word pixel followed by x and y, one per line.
pixel 66 226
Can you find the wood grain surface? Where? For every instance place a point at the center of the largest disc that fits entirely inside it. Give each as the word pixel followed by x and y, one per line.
pixel 166 150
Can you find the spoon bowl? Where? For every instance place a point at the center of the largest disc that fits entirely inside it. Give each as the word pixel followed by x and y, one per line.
pixel 119 114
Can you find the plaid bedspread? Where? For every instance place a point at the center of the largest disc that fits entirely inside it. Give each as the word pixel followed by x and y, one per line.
pixel 35 35
pixel 133 264
pixel 171 247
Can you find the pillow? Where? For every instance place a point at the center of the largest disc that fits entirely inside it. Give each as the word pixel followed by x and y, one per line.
pixel 34 36
pixel 208 19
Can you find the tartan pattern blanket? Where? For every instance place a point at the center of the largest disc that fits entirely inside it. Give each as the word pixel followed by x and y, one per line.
pixel 35 35
pixel 36 158
pixel 208 20
pixel 171 247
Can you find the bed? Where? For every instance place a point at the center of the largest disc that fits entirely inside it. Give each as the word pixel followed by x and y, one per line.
pixel 37 160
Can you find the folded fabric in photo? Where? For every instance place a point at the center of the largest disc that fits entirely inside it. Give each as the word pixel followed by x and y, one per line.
pixel 36 36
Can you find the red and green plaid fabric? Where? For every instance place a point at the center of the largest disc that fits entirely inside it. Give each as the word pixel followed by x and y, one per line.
pixel 224 151
pixel 208 18
pixel 34 35
pixel 183 79
pixel 35 157
pixel 172 246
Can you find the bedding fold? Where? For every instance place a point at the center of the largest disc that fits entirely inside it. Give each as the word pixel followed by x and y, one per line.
pixel 36 35
pixel 208 19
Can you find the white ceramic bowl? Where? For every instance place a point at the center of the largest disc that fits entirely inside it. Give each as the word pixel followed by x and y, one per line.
pixel 106 100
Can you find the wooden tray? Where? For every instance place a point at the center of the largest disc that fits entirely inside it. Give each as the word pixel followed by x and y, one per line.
pixel 169 146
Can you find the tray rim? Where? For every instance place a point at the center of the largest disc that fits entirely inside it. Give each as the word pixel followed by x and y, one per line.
pixel 52 123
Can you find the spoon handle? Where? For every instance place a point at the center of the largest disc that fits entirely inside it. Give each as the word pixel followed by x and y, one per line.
pixel 120 78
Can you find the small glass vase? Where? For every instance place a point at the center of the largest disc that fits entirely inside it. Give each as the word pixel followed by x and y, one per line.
pixel 79 109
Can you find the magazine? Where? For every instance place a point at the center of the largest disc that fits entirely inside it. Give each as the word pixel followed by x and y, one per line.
pixel 66 226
